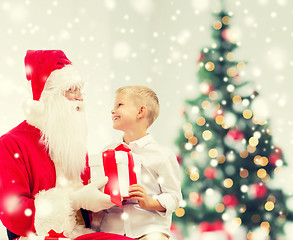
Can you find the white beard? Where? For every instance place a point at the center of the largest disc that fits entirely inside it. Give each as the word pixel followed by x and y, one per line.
pixel 64 132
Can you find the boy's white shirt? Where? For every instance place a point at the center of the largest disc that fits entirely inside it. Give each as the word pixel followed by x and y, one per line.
pixel 160 175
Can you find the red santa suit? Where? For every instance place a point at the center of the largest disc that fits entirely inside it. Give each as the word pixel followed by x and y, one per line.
pixel 36 194
pixel 25 170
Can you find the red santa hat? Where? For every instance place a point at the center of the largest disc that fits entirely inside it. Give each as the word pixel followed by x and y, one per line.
pixel 39 64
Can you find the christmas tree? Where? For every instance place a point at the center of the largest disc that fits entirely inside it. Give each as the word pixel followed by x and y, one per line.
pixel 227 152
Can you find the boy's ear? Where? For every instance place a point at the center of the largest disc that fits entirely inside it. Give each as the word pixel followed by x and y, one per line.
pixel 142 112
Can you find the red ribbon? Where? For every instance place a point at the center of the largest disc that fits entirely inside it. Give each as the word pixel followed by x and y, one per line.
pixel 110 168
pixel 211 227
pixel 54 235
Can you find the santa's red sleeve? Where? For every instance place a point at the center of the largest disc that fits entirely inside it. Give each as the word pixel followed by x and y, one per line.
pixel 16 201
pixel 29 200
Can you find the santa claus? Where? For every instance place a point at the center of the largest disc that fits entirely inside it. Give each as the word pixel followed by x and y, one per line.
pixel 44 173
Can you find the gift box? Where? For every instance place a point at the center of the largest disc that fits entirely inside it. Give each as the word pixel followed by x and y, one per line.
pixel 212 231
pixel 121 169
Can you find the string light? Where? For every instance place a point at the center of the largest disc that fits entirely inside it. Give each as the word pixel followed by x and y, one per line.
pixel 188 146
pixel 269 206
pixel 255 120
pixel 256 160
pixel 187 127
pixel 188 170
pixel 201 121
pixel 188 134
pixel 193 140
pixel 245 102
pixel 194 176
pixel 237 99
pixel 228 183
pixel 238 221
pixel 205 87
pixel 231 156
pixel 209 66
pixel 251 149
pixel 271 198
pixel 241 65
pixel 213 95
pixel 243 173
pixel 226 20
pixel 221 159
pixel 265 226
pixel 279 163
pixel 207 135
pixel 249 235
pixel 201 64
pixel 247 114
pixel 266 178
pixel 220 207
pixel 242 208
pixel 213 153
pixel 200 148
pixel 253 141
pixel 214 163
pixel 230 88
pixel 230 56
pixel 244 154
pixel 261 173
pixel 195 198
pixel 264 161
pixel 217 25
pixel 225 126
pixel 219 119
pixel 244 188
pixel 180 212
pixel 205 104
pixel 194 110
pixel 232 72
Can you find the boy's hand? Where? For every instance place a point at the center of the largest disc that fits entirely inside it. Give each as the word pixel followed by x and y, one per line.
pixel 139 193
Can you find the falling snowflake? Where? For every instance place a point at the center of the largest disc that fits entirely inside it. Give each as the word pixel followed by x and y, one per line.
pixel 121 51
pixel 28 212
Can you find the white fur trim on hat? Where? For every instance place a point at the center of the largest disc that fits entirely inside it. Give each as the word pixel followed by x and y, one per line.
pixel 63 79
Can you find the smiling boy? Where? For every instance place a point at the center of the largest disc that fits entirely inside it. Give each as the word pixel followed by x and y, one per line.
pixel 148 212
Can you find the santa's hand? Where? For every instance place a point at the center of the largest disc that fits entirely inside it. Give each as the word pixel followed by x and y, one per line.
pixel 89 197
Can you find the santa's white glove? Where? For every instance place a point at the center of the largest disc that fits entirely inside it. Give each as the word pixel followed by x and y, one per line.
pixel 89 197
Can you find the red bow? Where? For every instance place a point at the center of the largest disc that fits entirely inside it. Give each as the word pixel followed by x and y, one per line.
pixel 54 235
pixel 110 168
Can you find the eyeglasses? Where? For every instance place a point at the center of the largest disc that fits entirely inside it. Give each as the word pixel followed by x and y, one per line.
pixel 75 91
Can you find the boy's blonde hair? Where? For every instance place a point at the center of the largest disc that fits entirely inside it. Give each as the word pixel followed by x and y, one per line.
pixel 143 96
